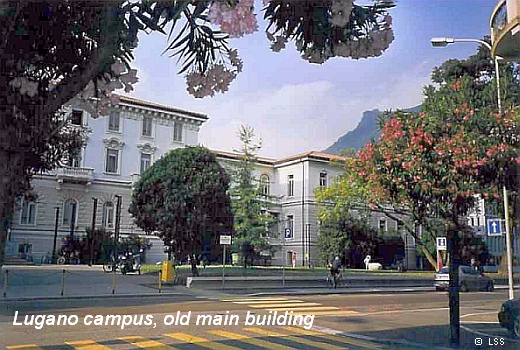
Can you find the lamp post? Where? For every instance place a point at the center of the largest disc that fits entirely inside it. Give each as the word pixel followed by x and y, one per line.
pixel 55 233
pixel 454 292
pixel 93 227
pixel 117 226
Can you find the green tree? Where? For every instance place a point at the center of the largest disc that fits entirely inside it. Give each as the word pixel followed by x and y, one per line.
pixel 250 206
pixel 183 195
pixel 348 237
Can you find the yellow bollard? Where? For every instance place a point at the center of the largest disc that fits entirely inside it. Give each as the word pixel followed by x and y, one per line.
pixel 5 282
pixel 63 283
pixel 160 282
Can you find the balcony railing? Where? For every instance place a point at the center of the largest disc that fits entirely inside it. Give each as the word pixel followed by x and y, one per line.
pixel 86 174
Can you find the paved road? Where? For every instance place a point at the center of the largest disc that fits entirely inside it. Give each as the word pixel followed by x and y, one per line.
pixel 384 321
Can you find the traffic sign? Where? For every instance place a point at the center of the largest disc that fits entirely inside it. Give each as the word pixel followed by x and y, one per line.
pixel 288 233
pixel 441 243
pixel 225 240
pixel 494 227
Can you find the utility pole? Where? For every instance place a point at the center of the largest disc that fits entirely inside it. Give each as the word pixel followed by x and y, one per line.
pixel 116 229
pixel 55 234
pixel 92 229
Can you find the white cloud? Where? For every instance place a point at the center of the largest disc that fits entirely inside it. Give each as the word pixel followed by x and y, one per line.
pixel 303 117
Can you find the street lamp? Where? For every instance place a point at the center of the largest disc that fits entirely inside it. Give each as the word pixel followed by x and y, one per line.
pixel 454 302
pixel 92 229
pixel 57 215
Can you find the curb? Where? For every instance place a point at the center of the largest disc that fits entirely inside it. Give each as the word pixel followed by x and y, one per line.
pixel 89 297
pixel 332 291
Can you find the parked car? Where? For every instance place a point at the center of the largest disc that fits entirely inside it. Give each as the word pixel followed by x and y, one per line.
pixel 469 279
pixel 508 316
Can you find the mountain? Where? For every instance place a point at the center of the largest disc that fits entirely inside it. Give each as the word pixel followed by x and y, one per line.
pixel 366 130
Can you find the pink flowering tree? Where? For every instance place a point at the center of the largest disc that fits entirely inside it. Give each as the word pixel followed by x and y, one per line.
pixel 333 28
pixel 433 164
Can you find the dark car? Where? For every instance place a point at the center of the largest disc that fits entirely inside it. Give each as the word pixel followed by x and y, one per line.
pixel 469 279
pixel 508 316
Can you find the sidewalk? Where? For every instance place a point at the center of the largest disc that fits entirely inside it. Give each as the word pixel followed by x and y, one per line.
pixel 48 282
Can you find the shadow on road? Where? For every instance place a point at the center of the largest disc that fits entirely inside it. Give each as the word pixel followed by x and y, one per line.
pixel 489 336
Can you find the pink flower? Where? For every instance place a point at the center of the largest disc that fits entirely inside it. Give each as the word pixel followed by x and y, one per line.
pixel 235 21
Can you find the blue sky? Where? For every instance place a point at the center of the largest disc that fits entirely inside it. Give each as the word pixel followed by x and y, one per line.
pixel 295 106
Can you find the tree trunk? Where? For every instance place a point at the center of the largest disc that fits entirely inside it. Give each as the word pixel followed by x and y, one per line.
pixel 454 297
pixel 6 209
pixel 7 192
pixel 429 257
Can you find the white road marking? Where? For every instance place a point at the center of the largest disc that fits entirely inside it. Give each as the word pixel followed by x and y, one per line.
pixel 479 313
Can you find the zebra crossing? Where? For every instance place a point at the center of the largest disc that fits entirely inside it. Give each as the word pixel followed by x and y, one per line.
pixel 297 307
pixel 281 338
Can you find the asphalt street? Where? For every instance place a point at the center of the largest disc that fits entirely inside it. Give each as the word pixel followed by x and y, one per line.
pixel 341 321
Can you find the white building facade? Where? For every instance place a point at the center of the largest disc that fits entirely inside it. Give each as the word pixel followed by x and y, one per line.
pixel 122 145
pixel 118 148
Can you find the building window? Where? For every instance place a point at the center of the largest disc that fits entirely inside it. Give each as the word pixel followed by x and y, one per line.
pixel 399 226
pixel 177 132
pixel 290 185
pixel 28 214
pixel 323 179
pixel 77 117
pixel 114 121
pixel 146 161
pixel 112 161
pixel 70 212
pixel 264 185
pixel 108 218
pixel 74 159
pixel 147 126
pixel 382 225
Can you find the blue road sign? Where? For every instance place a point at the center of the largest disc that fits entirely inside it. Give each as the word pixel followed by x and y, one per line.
pixel 494 227
pixel 288 233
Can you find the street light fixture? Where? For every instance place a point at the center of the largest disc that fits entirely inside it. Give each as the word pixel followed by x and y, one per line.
pixel 441 42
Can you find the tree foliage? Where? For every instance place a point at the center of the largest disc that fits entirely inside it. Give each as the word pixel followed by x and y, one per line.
pixel 429 166
pixel 350 238
pixel 250 207
pixel 183 195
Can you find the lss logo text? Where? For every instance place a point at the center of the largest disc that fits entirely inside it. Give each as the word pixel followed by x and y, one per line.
pixel 496 341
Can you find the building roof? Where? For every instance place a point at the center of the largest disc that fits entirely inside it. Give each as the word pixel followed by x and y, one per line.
pixel 143 103
pixel 236 156
pixel 311 155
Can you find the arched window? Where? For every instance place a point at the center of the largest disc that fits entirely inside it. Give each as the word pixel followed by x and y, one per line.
pixel 108 215
pixel 70 212
pixel 264 185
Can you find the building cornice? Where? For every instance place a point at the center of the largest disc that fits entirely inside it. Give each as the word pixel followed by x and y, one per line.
pixel 132 106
